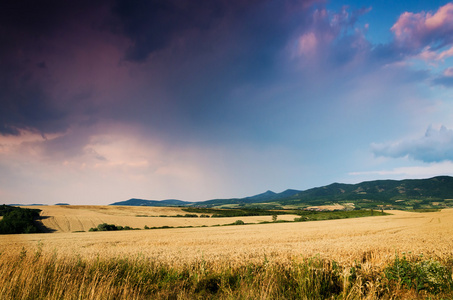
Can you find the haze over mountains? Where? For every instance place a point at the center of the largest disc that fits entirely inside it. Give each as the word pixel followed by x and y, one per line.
pixel 408 193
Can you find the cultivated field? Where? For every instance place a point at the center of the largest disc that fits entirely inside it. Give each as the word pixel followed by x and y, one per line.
pixel 70 218
pixel 367 244
pixel 342 240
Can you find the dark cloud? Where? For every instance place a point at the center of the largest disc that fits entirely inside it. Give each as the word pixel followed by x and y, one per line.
pixel 31 33
pixel 204 52
pixel 192 84
pixel 153 25
pixel 201 51
pixel 28 23
pixel 25 104
pixel 194 60
pixel 33 18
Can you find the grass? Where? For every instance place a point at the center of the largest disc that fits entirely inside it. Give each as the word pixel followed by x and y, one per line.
pixel 46 276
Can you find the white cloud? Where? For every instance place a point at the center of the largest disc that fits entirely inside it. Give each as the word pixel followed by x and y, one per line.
pixel 434 146
pixel 425 171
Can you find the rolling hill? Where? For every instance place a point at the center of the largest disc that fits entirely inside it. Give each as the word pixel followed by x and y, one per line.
pixel 436 192
pixel 142 202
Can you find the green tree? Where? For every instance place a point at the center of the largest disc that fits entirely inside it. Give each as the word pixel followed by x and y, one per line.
pixel 18 220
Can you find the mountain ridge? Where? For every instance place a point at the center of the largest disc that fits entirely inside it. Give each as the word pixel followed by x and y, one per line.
pixel 415 193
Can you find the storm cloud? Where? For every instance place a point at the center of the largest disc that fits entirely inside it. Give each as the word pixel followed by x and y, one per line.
pixel 212 99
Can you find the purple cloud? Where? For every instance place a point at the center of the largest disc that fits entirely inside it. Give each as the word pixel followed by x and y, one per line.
pixel 418 30
pixel 37 40
pixel 332 37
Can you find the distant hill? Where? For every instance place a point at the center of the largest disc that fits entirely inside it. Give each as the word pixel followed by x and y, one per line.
pixel 401 194
pixel 35 204
pixel 142 202
pixel 260 198
pixel 265 197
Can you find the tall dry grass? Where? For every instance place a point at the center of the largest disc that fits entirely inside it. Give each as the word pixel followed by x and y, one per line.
pixel 37 275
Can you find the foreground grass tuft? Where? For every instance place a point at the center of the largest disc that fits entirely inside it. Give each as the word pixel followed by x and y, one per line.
pixel 421 275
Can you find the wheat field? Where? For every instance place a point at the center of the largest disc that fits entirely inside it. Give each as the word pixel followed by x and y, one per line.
pixel 255 261
pixel 69 218
pixel 342 240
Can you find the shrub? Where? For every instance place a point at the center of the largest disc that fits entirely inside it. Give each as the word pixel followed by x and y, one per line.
pixel 190 216
pixel 111 227
pixel 427 275
pixel 107 227
pixel 239 222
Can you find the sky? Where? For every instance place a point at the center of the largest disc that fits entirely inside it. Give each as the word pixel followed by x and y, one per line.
pixel 103 101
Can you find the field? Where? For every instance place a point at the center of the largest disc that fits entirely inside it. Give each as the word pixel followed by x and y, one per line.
pixel 358 251
pixel 82 218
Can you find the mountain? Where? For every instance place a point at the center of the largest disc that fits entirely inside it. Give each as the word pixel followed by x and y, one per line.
pixel 408 193
pixel 440 187
pixel 270 196
pixel 402 194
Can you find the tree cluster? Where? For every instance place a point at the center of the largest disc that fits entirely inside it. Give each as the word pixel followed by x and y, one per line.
pixel 110 227
pixel 18 220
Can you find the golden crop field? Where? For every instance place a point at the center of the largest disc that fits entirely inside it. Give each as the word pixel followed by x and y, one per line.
pixel 342 240
pixel 372 242
pixel 70 218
